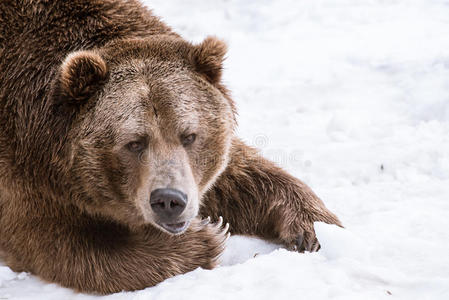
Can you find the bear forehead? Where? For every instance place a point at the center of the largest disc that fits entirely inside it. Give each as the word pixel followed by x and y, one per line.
pixel 139 106
pixel 145 89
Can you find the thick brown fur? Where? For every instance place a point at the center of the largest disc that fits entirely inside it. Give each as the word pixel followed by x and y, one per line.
pixel 79 81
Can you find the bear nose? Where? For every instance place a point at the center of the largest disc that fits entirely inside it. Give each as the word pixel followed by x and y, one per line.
pixel 168 203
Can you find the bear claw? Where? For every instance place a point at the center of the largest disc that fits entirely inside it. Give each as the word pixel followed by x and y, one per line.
pixel 219 225
pixel 226 228
pixel 223 230
pixel 206 221
pixel 316 246
pixel 220 221
pixel 299 241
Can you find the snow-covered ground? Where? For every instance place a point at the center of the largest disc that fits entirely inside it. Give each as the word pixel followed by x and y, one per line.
pixel 352 96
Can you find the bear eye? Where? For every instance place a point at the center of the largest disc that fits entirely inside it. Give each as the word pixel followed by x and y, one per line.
pixel 136 146
pixel 187 140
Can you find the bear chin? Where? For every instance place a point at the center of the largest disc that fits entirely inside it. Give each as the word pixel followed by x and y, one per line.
pixel 175 228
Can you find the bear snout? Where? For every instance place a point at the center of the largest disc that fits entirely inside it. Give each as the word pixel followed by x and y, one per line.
pixel 168 204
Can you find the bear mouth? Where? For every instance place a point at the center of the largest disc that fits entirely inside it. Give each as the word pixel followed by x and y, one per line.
pixel 175 228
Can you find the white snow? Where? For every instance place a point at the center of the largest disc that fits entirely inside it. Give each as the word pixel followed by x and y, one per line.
pixel 352 96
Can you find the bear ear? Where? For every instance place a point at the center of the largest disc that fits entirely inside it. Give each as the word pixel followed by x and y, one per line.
pixel 208 58
pixel 82 73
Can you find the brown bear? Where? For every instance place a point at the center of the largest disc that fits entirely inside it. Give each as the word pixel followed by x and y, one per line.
pixel 116 144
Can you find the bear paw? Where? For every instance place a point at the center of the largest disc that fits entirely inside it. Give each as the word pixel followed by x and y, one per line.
pixel 213 237
pixel 305 240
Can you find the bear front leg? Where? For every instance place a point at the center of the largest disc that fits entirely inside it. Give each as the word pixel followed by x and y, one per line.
pixel 258 198
pixel 153 256
pixel 102 258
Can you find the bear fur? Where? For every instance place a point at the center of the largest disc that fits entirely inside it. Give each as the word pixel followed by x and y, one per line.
pixel 101 103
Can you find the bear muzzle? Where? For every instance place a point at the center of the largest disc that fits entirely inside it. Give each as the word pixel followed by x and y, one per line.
pixel 168 204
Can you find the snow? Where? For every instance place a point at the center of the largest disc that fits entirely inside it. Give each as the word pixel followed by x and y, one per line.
pixel 352 96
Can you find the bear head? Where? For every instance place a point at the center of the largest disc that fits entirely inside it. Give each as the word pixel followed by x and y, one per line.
pixel 151 128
